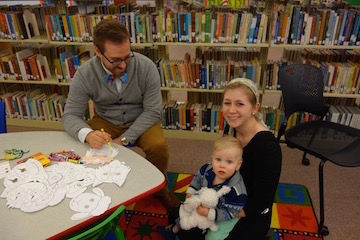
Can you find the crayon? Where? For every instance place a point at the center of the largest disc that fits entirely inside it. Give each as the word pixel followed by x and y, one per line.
pixel 74 161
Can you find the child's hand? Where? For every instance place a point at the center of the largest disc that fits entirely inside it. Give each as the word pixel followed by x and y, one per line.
pixel 203 211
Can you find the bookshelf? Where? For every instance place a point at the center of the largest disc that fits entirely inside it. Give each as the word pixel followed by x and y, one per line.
pixel 190 94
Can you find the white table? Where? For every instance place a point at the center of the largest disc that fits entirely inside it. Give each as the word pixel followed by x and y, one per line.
pixel 54 222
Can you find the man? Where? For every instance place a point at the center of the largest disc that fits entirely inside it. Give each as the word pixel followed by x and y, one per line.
pixel 125 89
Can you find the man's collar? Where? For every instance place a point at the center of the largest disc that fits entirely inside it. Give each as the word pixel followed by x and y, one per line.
pixel 106 70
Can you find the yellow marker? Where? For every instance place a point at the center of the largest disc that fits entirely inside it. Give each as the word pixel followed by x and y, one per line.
pixel 102 130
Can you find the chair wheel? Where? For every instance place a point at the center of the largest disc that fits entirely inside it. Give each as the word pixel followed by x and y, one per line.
pixel 324 231
pixel 306 162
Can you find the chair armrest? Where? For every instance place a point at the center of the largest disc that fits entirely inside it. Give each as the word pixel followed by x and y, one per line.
pixel 325 110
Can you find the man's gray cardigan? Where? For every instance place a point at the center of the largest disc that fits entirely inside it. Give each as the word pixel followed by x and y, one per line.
pixel 138 104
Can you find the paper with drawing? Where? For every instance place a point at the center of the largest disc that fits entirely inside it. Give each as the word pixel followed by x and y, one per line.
pixel 100 155
pixel 31 188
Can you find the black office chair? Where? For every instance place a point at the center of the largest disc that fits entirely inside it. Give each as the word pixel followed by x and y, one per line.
pixel 302 89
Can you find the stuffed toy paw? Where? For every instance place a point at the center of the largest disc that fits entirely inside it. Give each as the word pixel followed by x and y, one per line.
pixel 207 197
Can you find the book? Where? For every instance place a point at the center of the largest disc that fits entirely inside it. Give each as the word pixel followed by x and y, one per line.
pixel 21 55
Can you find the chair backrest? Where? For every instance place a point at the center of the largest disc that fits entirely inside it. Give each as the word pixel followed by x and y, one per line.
pixel 2 118
pixel 102 229
pixel 302 89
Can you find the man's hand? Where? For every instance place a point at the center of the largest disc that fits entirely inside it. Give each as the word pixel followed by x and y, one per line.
pixel 203 211
pixel 97 139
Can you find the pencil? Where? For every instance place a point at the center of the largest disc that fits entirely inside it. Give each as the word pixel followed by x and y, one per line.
pixel 102 130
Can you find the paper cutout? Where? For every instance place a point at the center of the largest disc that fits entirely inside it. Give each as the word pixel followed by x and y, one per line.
pixel 31 188
pixel 89 204
pixel 28 189
pixel 114 172
pixel 100 155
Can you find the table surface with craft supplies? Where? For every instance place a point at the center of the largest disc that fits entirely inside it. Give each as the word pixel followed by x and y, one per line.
pixel 55 220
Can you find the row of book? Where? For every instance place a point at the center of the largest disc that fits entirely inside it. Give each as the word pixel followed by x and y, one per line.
pixel 210 26
pixel 166 26
pixel 23 65
pixel 294 25
pixel 208 117
pixel 20 22
pixel 192 116
pixel 33 105
pixel 30 62
pixel 209 75
pixel 338 78
pixel 36 104
pixel 67 64
pixel 331 55
pixel 209 3
pixel 349 116
pixel 343 78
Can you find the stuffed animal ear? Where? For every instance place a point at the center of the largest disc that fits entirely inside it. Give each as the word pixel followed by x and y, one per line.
pixel 224 190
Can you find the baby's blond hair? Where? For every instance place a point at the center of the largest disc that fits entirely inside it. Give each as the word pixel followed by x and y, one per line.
pixel 227 142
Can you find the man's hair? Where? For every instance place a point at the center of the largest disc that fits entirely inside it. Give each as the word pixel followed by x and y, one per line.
pixel 110 30
pixel 227 142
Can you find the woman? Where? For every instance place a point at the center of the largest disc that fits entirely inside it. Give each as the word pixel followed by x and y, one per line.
pixel 261 158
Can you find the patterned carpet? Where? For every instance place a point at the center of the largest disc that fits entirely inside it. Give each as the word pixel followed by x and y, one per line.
pixel 293 216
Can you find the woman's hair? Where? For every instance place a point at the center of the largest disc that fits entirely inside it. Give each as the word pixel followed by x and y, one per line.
pixel 110 30
pixel 249 86
pixel 227 142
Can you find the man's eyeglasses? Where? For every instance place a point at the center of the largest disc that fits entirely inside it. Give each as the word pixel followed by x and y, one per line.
pixel 119 61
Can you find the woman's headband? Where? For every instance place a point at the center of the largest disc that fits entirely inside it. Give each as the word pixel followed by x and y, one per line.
pixel 247 82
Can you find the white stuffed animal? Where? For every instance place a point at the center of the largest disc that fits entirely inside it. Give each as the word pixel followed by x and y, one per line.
pixel 207 197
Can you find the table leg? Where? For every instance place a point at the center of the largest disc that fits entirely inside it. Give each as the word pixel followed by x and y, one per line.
pixel 323 230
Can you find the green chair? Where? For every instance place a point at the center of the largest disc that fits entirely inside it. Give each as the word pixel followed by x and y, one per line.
pixel 102 229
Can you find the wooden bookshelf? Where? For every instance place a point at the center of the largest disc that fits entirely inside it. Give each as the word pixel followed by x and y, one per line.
pixel 162 46
pixel 211 44
pixel 312 46
pixel 194 135
pixel 48 81
pixel 335 95
pixel 37 39
pixel 34 123
pixel 182 134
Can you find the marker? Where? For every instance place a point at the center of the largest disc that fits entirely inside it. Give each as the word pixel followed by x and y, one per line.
pixel 102 130
pixel 74 161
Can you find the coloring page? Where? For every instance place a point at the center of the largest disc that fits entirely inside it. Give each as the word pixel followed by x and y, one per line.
pixel 30 187
pixel 100 155
pixel 27 188
pixel 114 172
pixel 89 204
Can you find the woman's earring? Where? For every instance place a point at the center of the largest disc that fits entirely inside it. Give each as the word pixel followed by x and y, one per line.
pixel 253 113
